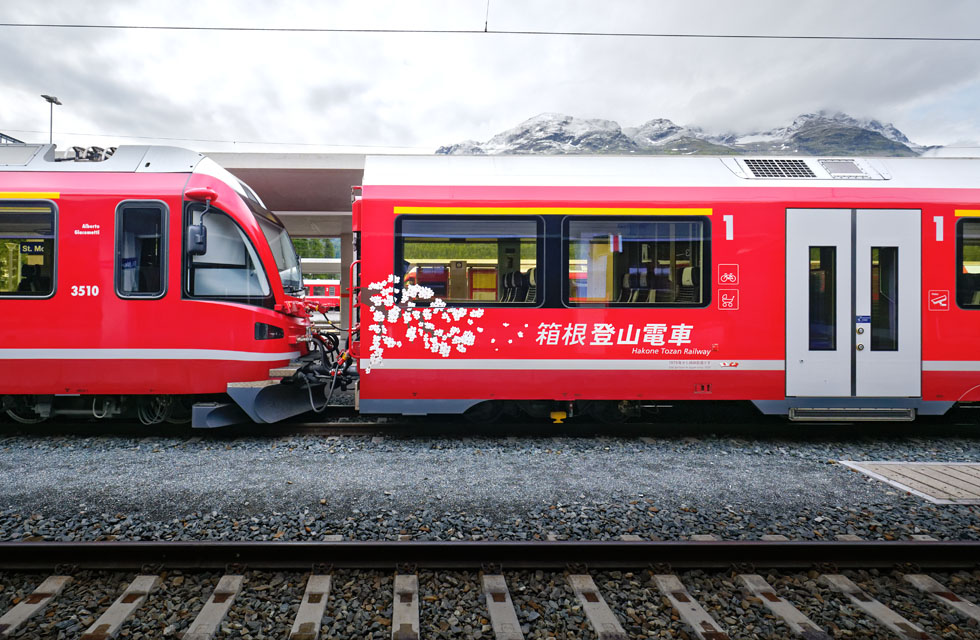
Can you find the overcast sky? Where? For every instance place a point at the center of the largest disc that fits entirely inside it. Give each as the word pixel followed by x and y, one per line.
pixel 206 89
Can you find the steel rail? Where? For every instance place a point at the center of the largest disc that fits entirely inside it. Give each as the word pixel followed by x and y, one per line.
pixel 509 555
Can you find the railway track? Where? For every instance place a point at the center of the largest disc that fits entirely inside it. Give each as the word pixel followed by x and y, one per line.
pixel 758 568
pixel 350 424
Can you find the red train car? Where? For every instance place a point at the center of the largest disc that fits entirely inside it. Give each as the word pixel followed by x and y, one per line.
pixel 813 287
pixel 325 293
pixel 143 283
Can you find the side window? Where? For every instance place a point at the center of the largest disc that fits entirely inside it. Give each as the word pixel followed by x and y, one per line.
pixel 968 264
pixel 230 269
pixel 471 259
pixel 27 248
pixel 141 249
pixel 636 261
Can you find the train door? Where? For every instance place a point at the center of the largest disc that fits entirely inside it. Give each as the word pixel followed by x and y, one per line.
pixel 853 303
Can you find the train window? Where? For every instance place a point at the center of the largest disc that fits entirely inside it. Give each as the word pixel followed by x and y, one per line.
pixel 823 298
pixel 884 298
pixel 471 259
pixel 636 261
pixel 140 249
pixel 968 264
pixel 230 269
pixel 27 249
pixel 284 254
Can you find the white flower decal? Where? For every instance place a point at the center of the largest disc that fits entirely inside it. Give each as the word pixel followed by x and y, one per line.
pixel 421 323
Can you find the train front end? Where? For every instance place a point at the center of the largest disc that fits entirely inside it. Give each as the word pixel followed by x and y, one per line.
pixel 147 282
pixel 239 253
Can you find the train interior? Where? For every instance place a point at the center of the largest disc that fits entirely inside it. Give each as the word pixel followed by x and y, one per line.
pixel 27 235
pixel 608 261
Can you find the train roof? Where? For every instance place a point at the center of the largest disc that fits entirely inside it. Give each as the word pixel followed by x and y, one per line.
pixel 672 171
pixel 125 159
pixel 37 158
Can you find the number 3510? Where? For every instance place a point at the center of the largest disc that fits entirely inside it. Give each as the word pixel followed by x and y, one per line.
pixel 85 290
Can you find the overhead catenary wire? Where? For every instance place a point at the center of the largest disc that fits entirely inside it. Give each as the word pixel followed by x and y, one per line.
pixel 487 31
pixel 484 31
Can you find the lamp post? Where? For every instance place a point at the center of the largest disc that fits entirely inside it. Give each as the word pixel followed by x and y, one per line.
pixel 52 100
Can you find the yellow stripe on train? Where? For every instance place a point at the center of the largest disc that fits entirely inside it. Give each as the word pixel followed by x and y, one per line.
pixel 29 195
pixel 556 211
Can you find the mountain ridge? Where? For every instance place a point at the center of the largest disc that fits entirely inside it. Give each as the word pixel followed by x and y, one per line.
pixel 819 133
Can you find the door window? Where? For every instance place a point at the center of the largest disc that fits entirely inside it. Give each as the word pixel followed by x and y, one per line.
pixel 884 298
pixel 140 243
pixel 823 298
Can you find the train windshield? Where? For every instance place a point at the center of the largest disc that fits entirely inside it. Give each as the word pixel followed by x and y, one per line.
pixel 286 260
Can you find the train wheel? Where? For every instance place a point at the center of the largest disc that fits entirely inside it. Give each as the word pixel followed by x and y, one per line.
pixel 153 409
pixel 608 411
pixel 21 411
pixel 180 410
pixel 485 412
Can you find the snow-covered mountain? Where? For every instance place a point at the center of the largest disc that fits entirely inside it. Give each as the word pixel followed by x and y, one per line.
pixel 552 133
pixel 821 133
pixel 825 118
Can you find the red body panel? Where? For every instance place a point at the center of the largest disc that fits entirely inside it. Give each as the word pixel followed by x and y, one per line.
pixel 741 351
pixel 104 344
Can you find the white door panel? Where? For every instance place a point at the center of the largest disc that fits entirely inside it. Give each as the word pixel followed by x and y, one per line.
pixel 887 303
pixel 853 303
pixel 818 350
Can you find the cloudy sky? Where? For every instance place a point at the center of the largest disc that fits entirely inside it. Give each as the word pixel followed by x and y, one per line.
pixel 295 91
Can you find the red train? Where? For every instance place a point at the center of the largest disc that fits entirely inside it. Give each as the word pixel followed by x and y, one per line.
pixel 814 287
pixel 155 283
pixel 142 283
pixel 323 292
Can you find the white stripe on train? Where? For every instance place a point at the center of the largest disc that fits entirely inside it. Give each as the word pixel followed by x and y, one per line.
pixel 638 364
pixel 509 364
pixel 533 364
pixel 144 354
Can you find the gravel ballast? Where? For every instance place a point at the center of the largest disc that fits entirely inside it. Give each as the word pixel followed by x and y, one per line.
pixel 370 488
pixel 366 487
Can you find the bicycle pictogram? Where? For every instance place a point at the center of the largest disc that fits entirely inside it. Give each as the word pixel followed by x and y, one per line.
pixel 728 274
